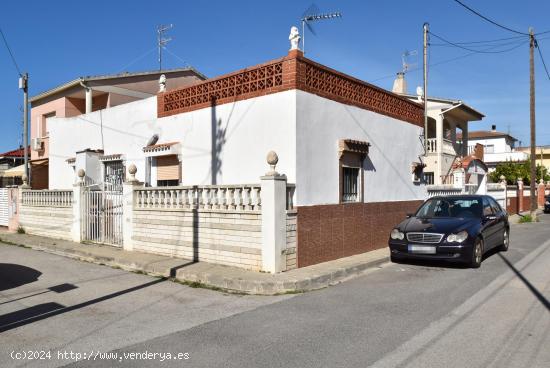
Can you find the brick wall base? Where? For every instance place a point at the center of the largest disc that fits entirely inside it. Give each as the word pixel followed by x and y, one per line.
pixel 328 232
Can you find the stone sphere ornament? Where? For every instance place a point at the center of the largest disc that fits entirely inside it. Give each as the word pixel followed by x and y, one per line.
pixel 132 170
pixel 81 173
pixel 272 160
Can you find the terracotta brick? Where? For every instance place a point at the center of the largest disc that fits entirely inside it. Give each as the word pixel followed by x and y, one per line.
pixel 328 232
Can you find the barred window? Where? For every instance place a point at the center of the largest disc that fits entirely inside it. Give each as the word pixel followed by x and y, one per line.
pixel 114 175
pixel 351 184
pixel 429 178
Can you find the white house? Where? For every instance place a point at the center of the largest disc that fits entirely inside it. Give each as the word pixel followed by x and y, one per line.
pixel 497 147
pixel 350 148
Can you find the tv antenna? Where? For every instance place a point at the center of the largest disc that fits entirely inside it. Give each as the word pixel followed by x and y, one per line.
pixel 405 59
pixel 162 41
pixel 312 15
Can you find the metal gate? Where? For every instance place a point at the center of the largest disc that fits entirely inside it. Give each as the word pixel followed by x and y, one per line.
pixel 4 213
pixel 102 216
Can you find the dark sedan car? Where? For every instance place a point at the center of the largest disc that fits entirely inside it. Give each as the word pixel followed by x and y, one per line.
pixel 454 228
pixel 547 204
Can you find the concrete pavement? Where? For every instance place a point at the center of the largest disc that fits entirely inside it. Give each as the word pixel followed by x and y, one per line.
pixel 208 274
pixel 419 315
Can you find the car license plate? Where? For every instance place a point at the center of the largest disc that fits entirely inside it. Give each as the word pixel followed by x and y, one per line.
pixel 423 249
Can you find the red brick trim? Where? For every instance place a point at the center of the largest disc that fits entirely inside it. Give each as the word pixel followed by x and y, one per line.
pixel 328 232
pixel 291 72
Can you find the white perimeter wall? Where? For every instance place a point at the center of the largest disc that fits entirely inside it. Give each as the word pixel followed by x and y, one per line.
pixel 395 145
pixel 245 132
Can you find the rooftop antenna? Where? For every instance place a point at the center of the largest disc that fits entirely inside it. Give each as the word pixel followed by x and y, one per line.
pixel 405 58
pixel 161 41
pixel 312 15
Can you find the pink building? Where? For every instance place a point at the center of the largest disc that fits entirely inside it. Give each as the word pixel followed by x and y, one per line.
pixel 87 94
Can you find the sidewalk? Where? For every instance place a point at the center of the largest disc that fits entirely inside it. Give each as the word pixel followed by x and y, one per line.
pixel 207 274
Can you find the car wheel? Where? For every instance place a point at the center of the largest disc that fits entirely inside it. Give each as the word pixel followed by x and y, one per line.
pixel 477 254
pixel 506 241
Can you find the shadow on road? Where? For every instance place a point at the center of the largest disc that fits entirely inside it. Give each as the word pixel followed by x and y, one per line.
pixel 530 286
pixel 42 311
pixel 14 275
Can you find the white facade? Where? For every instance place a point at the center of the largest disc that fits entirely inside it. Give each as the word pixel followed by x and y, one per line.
pixel 232 141
pixel 497 149
pixel 244 132
pixel 395 145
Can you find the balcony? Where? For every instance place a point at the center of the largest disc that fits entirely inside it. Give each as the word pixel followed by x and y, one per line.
pixel 431 147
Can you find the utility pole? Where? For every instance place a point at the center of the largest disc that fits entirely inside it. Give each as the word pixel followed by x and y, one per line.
pixel 161 41
pixel 425 90
pixel 24 85
pixel 533 181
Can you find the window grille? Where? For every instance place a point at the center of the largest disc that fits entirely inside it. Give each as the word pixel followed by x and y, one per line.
pixel 114 175
pixel 351 184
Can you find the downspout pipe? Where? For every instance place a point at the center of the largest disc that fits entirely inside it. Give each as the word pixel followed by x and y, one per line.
pixel 88 96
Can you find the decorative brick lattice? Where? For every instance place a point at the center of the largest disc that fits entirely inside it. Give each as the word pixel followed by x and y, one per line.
pixel 245 84
pixel 336 86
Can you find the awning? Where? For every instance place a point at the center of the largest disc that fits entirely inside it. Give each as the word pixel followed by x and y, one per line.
pixel 162 149
pixel 14 172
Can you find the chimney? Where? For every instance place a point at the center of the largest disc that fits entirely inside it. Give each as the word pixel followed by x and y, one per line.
pixel 400 84
pixel 493 128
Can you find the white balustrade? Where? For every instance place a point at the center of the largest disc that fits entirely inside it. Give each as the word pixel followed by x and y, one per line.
pixel 47 198
pixel 240 198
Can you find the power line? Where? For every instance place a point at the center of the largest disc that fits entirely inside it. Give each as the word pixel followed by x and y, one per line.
pixel 448 61
pixel 542 59
pixel 469 49
pixel 489 20
pixel 11 54
pixel 490 41
pixel 496 45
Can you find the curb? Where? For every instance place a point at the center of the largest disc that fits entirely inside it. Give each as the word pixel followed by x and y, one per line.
pixel 284 283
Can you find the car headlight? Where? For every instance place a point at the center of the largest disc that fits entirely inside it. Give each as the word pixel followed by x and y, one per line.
pixel 458 237
pixel 397 235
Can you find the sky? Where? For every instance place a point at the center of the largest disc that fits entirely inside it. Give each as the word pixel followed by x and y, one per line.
pixel 58 41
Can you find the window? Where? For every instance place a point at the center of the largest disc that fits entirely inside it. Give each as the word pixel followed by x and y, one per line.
pixel 429 178
pixel 43 127
pixel 351 184
pixel 167 183
pixel 168 170
pixel 490 148
pixel 496 207
pixel 487 209
pixel 450 207
pixel 113 176
pixel 352 155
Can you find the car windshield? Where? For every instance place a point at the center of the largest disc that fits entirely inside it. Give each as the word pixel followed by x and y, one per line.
pixel 450 207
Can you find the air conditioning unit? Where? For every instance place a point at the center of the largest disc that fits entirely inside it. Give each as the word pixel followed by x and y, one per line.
pixel 36 144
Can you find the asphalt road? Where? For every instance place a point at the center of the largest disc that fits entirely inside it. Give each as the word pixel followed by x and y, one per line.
pixel 417 315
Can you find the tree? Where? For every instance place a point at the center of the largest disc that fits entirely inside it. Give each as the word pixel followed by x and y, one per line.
pixel 515 170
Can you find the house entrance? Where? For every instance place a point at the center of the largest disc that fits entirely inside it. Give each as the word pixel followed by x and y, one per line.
pixel 101 218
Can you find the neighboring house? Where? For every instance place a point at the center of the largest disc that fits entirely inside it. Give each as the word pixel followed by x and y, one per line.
pixel 9 162
pixel 542 155
pixel 85 95
pixel 349 148
pixel 497 147
pixel 447 120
